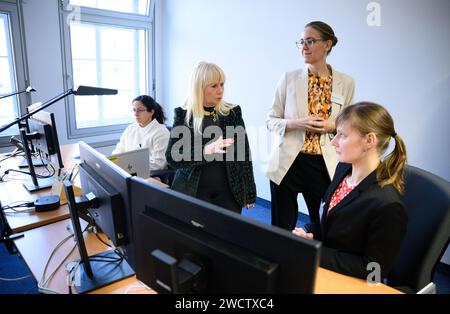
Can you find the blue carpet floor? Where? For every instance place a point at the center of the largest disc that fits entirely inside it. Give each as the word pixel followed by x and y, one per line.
pixel 12 266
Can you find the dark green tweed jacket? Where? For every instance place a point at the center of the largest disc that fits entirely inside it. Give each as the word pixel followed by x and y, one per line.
pixel 189 169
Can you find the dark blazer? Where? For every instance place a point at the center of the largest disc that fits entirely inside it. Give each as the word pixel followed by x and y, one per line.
pixel 187 177
pixel 368 225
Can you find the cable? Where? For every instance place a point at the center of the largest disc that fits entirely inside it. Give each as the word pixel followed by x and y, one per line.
pixel 42 283
pixel 115 250
pixel 15 279
pixel 137 287
pixel 27 173
pixel 22 204
pixel 29 208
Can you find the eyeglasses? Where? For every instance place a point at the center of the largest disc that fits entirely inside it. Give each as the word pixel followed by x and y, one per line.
pixel 138 110
pixel 308 42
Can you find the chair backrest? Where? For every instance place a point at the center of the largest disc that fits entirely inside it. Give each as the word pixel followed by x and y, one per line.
pixel 427 200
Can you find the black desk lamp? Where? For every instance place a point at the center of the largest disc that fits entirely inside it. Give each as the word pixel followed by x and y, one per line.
pixel 29 89
pixel 78 91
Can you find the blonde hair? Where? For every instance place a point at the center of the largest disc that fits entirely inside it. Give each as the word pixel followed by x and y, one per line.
pixel 204 74
pixel 367 117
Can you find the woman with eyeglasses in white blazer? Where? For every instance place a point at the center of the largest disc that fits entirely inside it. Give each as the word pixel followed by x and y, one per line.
pixel 306 104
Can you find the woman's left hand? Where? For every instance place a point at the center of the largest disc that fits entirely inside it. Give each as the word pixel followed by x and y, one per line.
pixel 302 233
pixel 326 125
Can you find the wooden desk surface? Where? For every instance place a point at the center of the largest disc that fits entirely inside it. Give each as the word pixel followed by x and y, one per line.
pixel 330 282
pixel 38 243
pixel 36 247
pixel 13 191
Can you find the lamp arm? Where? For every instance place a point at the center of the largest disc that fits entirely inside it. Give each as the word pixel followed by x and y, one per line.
pixel 32 112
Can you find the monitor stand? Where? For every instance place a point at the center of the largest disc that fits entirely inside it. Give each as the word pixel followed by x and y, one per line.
pixel 37 162
pixel 42 183
pixel 103 273
pixel 95 271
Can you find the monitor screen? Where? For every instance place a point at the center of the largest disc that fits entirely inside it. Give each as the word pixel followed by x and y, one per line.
pixel 45 141
pixel 186 245
pixel 110 184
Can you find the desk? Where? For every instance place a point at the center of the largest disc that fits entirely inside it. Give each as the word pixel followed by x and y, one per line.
pixel 330 282
pixel 13 191
pixel 38 243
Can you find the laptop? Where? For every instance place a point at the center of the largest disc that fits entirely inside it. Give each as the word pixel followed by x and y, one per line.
pixel 135 162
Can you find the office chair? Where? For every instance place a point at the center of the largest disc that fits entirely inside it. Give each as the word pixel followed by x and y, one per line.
pixel 427 200
pixel 164 175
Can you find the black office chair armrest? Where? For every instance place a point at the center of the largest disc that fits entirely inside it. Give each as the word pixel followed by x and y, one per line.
pixel 165 175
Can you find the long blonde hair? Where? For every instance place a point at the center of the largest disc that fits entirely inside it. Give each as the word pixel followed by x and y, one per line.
pixel 369 117
pixel 204 74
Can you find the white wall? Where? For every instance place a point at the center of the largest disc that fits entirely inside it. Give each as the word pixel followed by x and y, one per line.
pixel 403 64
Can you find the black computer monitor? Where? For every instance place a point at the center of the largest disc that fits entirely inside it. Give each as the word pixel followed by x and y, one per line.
pixel 42 134
pixel 186 245
pixel 105 202
pixel 46 143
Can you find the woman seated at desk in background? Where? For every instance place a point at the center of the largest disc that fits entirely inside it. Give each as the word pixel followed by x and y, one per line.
pixel 364 219
pixel 148 131
pixel 211 164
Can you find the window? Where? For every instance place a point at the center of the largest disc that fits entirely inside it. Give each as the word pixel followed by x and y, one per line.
pixel 12 73
pixel 125 6
pixel 108 44
pixel 7 78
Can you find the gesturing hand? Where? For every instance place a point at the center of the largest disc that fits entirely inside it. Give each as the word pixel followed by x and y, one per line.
pixel 302 233
pixel 219 146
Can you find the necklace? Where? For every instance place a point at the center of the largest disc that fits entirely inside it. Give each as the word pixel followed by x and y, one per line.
pixel 211 113
pixel 352 185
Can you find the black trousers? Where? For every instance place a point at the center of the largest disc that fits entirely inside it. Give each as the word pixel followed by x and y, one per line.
pixel 213 187
pixel 222 198
pixel 307 175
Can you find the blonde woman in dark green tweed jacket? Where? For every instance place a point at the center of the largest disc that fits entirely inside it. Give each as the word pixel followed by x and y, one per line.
pixel 208 145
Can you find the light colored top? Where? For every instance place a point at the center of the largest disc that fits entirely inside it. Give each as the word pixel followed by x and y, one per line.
pixel 155 136
pixel 291 102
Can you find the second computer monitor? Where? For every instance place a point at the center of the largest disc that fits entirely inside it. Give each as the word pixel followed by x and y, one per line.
pixel 186 245
pixel 45 140
pixel 110 184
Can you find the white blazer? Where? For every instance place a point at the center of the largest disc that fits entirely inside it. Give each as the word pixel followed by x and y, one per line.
pixel 290 102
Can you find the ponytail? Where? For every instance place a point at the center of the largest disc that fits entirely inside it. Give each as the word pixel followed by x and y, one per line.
pixel 159 113
pixel 391 169
pixel 369 117
pixel 150 104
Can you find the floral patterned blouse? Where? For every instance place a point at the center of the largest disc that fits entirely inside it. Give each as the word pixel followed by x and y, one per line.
pixel 340 193
pixel 319 105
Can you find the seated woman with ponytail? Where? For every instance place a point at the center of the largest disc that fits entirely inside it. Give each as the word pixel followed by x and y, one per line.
pixel 148 131
pixel 363 218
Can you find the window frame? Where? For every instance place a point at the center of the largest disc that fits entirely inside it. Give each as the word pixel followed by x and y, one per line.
pixel 107 18
pixel 13 9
